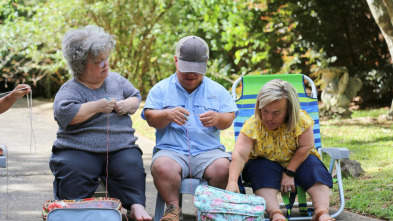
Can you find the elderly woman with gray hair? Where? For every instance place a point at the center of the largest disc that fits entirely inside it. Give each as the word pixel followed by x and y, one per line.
pixel 276 147
pixel 95 138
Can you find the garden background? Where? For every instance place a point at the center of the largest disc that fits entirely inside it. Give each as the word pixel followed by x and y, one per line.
pixel 245 37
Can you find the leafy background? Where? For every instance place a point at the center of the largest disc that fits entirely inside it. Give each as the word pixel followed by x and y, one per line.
pixel 245 37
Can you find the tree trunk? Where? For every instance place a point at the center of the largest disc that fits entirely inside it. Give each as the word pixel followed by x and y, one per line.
pixel 391 110
pixel 382 11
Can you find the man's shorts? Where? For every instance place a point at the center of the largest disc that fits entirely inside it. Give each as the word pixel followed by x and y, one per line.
pixel 198 163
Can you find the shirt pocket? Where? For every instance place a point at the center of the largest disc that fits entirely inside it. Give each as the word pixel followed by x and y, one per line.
pixel 205 105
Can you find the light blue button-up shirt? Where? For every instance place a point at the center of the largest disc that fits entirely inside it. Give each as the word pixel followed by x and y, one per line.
pixel 192 136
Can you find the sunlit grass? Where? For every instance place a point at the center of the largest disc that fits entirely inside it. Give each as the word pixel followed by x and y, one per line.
pixel 370 113
pixel 372 146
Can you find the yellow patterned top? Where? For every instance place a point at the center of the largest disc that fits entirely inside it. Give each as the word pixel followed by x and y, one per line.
pixel 276 145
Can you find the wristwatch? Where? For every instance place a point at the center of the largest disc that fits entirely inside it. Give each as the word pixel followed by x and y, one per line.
pixel 290 173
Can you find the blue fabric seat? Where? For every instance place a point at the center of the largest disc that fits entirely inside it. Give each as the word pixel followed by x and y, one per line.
pixel 3 158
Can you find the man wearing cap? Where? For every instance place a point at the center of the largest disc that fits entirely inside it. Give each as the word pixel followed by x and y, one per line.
pixel 188 111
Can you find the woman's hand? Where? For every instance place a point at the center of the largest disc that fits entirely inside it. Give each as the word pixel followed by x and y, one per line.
pixel 122 107
pixel 305 142
pixel 287 184
pixel 127 106
pixel 88 109
pixel 106 106
pixel 233 187
pixel 20 90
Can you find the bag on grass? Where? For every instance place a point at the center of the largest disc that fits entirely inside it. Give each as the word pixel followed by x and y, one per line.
pixel 90 209
pixel 217 204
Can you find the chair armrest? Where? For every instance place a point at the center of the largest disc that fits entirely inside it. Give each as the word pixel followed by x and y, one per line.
pixel 336 152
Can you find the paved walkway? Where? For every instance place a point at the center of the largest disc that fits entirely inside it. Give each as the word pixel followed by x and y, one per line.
pixel 29 178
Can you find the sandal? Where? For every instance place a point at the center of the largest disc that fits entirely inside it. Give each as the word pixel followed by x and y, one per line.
pixel 321 213
pixel 274 213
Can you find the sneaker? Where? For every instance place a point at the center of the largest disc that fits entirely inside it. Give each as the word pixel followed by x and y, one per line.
pixel 172 213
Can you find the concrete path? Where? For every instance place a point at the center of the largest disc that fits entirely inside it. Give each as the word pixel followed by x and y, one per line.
pixel 27 182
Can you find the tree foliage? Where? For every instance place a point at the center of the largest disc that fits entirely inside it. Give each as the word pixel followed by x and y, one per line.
pixel 245 37
pixel 348 34
pixel 30 35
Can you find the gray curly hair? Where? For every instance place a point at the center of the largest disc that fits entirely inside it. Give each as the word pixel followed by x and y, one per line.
pixel 276 90
pixel 79 44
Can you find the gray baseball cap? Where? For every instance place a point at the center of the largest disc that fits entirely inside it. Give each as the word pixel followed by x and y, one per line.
pixel 192 53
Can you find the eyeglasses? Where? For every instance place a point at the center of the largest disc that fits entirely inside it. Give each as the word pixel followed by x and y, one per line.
pixel 101 64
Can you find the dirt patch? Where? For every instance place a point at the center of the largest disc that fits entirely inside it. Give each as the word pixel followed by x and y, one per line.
pixel 383 121
pixel 365 177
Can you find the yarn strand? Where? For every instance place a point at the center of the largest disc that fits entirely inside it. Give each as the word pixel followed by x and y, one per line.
pixel 29 98
pixel 107 156
pixel 8 197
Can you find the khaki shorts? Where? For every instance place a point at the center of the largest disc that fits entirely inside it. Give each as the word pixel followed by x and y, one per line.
pixel 198 163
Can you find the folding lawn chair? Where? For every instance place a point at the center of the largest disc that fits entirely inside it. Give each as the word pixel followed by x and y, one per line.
pixel 251 86
pixel 3 158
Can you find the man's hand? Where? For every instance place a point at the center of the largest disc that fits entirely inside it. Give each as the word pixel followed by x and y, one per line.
pixel 177 115
pixel 161 118
pixel 209 119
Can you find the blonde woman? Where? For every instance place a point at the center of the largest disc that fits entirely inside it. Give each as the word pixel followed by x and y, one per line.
pixel 276 148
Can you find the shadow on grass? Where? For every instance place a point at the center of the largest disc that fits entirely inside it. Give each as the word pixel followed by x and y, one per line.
pixel 379 139
pixel 365 122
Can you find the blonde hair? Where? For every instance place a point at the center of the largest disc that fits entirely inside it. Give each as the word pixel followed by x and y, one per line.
pixel 275 90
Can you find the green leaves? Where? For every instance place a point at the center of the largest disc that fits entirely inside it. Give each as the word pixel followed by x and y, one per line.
pixel 251 36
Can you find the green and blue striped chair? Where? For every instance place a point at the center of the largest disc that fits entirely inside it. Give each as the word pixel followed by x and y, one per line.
pixel 251 86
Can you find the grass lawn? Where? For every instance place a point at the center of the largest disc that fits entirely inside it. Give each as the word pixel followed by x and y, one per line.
pixel 370 143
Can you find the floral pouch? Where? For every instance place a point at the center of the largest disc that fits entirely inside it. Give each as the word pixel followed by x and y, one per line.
pixel 217 204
